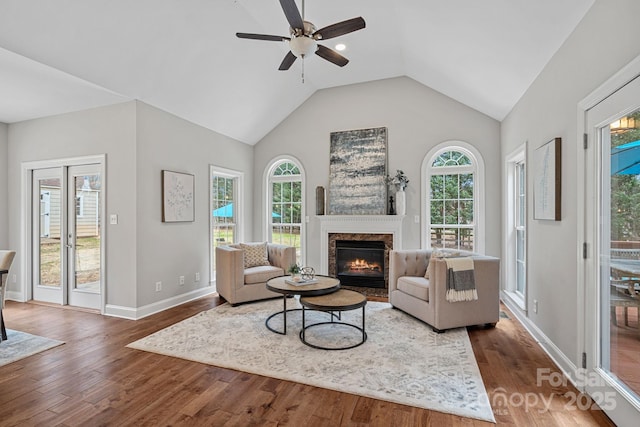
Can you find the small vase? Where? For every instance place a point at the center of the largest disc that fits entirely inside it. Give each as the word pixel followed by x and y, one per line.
pixel 401 202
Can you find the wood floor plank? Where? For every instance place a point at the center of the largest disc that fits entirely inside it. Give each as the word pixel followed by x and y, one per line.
pixel 94 379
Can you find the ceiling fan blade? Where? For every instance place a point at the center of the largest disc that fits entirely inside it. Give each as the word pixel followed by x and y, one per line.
pixel 292 13
pixel 262 37
pixel 331 56
pixel 340 28
pixel 288 60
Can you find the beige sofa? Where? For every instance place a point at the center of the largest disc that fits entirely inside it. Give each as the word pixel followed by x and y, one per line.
pixel 237 284
pixel 424 298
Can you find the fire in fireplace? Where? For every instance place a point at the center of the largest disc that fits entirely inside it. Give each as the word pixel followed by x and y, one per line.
pixel 360 263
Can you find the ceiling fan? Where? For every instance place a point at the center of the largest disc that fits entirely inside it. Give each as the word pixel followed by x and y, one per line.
pixel 304 36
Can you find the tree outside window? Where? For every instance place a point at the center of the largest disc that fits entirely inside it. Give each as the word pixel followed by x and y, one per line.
pixel 451 200
pixel 224 210
pixel 285 219
pixel 625 189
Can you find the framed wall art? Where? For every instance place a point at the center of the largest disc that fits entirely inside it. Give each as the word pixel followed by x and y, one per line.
pixel 178 190
pixel 357 171
pixel 547 186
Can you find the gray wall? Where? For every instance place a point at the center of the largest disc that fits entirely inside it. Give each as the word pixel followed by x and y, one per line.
pixel 166 251
pixel 139 141
pixel 417 117
pixel 4 151
pixel 603 43
pixel 110 130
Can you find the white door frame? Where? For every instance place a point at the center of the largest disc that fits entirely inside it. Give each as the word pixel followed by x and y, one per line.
pixel 26 230
pixel 588 264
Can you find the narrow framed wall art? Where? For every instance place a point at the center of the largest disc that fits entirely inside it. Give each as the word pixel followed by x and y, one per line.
pixel 547 185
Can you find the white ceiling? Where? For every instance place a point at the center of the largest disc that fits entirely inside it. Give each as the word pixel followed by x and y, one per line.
pixel 183 57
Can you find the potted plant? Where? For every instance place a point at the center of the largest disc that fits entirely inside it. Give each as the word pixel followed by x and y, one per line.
pixel 294 271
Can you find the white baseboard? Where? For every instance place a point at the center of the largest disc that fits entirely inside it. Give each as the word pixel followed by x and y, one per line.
pixel 14 296
pixel 134 313
pixel 566 366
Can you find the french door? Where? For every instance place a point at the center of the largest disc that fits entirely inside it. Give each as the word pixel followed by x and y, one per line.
pixel 612 265
pixel 67 235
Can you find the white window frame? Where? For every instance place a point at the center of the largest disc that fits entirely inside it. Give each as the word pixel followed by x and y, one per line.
pixel 267 180
pixel 478 190
pixel 518 156
pixel 238 207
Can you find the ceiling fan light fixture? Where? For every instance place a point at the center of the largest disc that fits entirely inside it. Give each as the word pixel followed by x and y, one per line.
pixel 302 46
pixel 304 36
pixel 340 47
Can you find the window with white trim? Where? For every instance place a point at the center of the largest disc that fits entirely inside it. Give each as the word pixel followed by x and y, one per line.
pixel 285 205
pixel 520 228
pixel 226 209
pixel 515 236
pixel 453 215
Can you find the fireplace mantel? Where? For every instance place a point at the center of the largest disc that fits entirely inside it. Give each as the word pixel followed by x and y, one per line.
pixel 369 224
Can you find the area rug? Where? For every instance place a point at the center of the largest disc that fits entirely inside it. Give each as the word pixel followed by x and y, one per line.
pixel 402 361
pixel 21 344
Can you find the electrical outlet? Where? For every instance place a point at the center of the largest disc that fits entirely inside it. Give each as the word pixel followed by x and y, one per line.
pixel 197 276
pixel 158 286
pixel 181 280
pixel 535 305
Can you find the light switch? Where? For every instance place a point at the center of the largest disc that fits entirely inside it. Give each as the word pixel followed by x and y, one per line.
pixel 113 219
pixel 416 219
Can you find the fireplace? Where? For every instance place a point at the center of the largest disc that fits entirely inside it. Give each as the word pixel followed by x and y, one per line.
pixel 360 259
pixel 386 228
pixel 360 263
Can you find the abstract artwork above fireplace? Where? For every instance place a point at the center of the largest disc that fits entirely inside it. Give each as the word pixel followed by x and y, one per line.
pixel 357 171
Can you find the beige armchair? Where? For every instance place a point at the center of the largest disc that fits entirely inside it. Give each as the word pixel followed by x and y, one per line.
pixel 6 258
pixel 425 299
pixel 238 282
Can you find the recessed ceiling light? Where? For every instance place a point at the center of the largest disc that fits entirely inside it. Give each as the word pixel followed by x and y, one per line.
pixel 340 47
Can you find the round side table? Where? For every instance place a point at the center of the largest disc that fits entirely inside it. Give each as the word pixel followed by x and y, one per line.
pixel 342 300
pixel 322 285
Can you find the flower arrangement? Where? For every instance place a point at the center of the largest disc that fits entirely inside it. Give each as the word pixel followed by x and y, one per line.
pixel 400 180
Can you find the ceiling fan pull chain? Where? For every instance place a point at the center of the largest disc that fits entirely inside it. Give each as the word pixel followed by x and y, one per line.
pixel 303 69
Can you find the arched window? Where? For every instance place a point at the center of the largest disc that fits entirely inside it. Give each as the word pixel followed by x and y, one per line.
pixel 454 212
pixel 285 204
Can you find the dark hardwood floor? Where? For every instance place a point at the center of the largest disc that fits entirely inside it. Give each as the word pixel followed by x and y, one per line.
pixel 94 380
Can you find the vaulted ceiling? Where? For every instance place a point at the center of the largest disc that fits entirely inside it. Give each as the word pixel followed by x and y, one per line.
pixel 183 57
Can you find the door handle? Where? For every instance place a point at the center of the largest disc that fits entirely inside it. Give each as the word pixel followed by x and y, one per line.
pixel 69 245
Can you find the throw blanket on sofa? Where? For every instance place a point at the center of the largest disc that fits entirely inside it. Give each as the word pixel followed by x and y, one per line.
pixel 461 284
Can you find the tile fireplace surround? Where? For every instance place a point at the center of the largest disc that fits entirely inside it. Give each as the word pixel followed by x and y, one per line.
pixel 357 225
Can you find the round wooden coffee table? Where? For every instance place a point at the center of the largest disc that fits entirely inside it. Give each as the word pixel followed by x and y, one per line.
pixel 324 285
pixel 342 300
